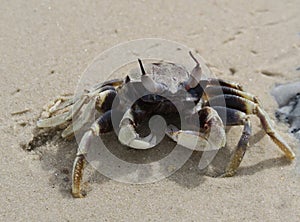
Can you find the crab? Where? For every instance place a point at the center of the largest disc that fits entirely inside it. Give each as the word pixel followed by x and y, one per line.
pixel 164 89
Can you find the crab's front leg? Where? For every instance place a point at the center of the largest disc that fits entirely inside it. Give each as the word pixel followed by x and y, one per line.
pixel 101 125
pixel 211 134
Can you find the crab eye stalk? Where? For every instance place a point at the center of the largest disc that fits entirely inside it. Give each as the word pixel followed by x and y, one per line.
pixel 149 83
pixel 142 67
pixel 127 79
pixel 195 75
pixel 193 57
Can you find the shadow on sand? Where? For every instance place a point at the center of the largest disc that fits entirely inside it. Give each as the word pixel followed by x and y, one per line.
pixel 57 156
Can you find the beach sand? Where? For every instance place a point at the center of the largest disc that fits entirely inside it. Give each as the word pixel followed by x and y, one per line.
pixel 45 48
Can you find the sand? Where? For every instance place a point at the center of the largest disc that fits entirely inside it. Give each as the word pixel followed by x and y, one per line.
pixel 46 46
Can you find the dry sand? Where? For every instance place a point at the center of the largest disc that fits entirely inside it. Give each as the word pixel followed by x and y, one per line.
pixel 45 47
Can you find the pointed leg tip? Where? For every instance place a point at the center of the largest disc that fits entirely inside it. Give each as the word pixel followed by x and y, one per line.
pixel 292 157
pixel 226 174
pixel 81 194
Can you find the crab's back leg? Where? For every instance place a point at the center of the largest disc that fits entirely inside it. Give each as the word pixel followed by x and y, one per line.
pixel 212 91
pixel 105 93
pixel 249 107
pixel 233 117
pixel 114 83
pixel 239 152
pixel 220 82
pixel 101 125
pixel 266 124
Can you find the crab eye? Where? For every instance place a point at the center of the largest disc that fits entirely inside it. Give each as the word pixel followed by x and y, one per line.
pixel 180 85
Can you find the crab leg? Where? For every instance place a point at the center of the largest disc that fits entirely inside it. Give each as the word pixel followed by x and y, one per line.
pixel 101 125
pixel 60 103
pixel 239 152
pixel 249 107
pixel 233 117
pixel 128 135
pixel 53 121
pixel 63 117
pixel 78 122
pixel 230 117
pixel 77 174
pixel 221 82
pixel 212 91
pixel 102 91
pixel 266 123
pixel 84 112
pixel 114 83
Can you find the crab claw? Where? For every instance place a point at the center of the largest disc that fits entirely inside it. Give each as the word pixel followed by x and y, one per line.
pixel 129 137
pixel 149 83
pixel 211 137
pixel 190 139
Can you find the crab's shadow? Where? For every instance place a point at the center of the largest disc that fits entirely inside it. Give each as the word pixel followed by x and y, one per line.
pixel 57 158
